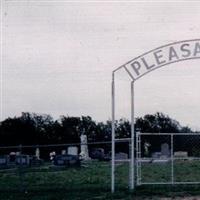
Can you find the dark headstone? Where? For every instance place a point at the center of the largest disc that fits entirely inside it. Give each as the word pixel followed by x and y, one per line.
pixel 22 160
pixel 97 153
pixel 66 160
pixel 4 161
pixel 165 150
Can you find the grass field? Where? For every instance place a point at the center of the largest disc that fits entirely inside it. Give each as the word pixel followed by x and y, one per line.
pixel 92 181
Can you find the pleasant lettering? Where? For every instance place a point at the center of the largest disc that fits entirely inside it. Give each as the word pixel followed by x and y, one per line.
pixel 163 56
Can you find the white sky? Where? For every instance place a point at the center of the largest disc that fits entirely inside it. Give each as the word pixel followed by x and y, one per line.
pixel 58 57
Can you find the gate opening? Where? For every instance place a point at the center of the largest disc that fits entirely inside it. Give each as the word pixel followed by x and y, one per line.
pixel 139 161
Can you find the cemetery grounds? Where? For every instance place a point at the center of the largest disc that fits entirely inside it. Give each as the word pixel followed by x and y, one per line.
pixel 92 181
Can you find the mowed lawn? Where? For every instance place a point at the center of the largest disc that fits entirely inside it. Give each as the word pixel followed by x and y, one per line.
pixel 93 180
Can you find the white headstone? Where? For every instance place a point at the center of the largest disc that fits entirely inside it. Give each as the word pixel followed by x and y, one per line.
pixel 72 150
pixel 37 153
pixel 84 148
pixel 182 154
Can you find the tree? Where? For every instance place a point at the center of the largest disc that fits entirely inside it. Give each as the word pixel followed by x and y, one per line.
pixel 158 123
pixel 69 130
pixel 33 129
pixel 29 128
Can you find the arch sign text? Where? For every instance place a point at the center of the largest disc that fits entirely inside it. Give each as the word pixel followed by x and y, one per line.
pixel 164 55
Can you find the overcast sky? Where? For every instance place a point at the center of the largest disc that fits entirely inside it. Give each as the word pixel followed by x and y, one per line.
pixel 58 57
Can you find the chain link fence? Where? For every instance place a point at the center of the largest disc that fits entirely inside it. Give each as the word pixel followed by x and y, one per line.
pixel 168 158
pixel 161 158
pixel 62 167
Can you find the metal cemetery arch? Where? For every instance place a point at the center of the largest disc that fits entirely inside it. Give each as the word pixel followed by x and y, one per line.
pixel 138 67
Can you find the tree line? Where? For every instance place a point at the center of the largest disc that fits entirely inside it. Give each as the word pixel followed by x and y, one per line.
pixel 38 129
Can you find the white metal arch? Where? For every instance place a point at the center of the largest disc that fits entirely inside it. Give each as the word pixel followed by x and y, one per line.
pixel 137 68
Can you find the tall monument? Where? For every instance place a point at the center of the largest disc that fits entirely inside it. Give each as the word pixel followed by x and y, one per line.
pixel 84 148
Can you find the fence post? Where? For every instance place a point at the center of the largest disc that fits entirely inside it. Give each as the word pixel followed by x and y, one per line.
pixel 172 159
pixel 138 157
pixel 113 136
pixel 132 157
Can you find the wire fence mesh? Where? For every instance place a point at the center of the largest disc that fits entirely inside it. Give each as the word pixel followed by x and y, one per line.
pixel 62 167
pixel 168 158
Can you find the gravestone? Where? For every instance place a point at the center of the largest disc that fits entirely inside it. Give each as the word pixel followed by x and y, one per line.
pixel 22 160
pixel 97 153
pixel 3 161
pixel 156 155
pixel 165 150
pixel 66 160
pixel 84 148
pixel 121 156
pixel 181 154
pixel 34 161
pixel 12 157
pixel 37 153
pixel 72 150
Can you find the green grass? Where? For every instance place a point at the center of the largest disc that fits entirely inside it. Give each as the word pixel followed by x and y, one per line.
pixel 93 182
pixel 184 171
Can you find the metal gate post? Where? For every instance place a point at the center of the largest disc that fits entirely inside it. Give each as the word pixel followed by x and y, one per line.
pixel 138 157
pixel 172 158
pixel 132 157
pixel 140 163
pixel 113 136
